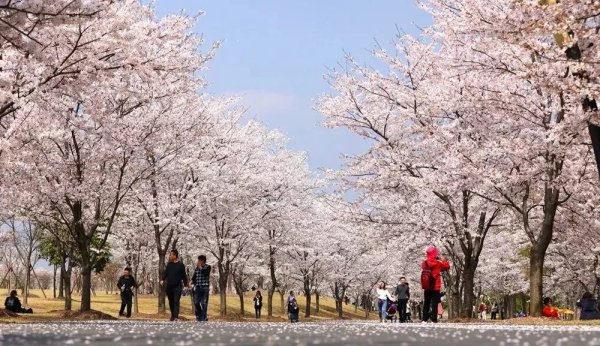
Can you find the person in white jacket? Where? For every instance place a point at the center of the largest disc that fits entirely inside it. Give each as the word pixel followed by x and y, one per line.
pixel 383 295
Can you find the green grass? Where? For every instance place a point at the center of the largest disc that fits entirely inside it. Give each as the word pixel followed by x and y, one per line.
pixel 49 309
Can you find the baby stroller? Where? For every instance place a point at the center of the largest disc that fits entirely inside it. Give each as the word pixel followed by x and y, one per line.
pixel 392 312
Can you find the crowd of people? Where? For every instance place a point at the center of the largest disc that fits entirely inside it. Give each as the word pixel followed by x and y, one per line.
pixel 431 283
pixel 396 306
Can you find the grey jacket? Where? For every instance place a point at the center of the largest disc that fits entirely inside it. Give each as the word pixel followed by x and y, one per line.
pixel 403 291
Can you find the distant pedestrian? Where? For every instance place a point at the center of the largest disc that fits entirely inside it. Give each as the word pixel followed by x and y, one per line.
pixel 494 311
pixel 201 282
pixel 257 303
pixel 402 295
pixel 126 284
pixel 293 309
pixel 431 282
pixel 483 311
pixel 383 295
pixel 176 281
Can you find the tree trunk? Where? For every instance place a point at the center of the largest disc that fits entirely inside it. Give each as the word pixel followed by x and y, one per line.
pixel 536 282
pixel 273 279
pixel 281 296
pixel 317 303
pixel 54 282
pixel 162 293
pixel 135 297
pixel 27 281
pixel 67 287
pixel 468 290
pixel 223 280
pixel 270 294
pixel 242 308
pixel 540 245
pixel 307 294
pixel 86 287
pixel 61 286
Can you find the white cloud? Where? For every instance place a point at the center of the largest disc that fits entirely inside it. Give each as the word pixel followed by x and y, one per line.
pixel 266 103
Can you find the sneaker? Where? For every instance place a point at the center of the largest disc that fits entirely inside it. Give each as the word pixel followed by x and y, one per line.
pixel 424 322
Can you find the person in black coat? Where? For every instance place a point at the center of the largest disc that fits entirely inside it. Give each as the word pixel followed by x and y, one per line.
pixel 258 303
pixel 589 307
pixel 126 284
pixel 176 280
pixel 13 303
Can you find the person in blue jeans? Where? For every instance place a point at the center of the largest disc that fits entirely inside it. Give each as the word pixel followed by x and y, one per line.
pixel 201 282
pixel 383 295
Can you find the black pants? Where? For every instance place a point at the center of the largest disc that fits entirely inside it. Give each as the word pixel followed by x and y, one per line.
pixel 494 315
pixel 402 303
pixel 174 295
pixel 126 300
pixel 257 311
pixel 432 299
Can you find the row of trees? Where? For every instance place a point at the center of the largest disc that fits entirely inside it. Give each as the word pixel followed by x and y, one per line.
pixel 112 152
pixel 480 144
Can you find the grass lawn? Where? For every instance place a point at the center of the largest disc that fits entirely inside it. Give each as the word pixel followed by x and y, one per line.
pixel 52 309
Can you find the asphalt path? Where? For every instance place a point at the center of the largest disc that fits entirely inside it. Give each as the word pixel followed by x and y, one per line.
pixel 125 333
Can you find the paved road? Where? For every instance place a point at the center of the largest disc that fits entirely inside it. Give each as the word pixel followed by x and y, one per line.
pixel 124 333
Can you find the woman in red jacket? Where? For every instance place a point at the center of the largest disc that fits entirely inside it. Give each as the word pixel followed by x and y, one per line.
pixel 549 310
pixel 431 282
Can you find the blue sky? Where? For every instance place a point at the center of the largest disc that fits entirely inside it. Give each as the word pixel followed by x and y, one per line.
pixel 275 52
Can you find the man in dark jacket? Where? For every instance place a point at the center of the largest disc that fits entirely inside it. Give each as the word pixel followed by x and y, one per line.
pixel 174 275
pixel 432 268
pixel 126 284
pixel 201 282
pixel 402 295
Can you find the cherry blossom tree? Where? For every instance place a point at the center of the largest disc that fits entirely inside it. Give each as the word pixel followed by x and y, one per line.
pixel 76 156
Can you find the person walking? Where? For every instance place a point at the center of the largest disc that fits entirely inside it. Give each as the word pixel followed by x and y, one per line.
pixel 383 295
pixel 431 282
pixel 293 309
pixel 483 311
pixel 201 282
pixel 494 311
pixel 257 303
pixel 174 276
pixel 402 295
pixel 126 284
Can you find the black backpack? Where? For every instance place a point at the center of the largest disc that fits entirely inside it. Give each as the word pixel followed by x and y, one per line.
pixel 427 278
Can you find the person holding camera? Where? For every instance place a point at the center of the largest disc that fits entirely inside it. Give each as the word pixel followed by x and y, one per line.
pixel 126 284
pixel 431 282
